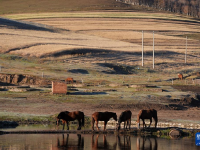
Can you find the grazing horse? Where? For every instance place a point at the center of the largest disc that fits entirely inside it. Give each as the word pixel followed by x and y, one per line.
pixel 147 114
pixel 67 116
pixel 180 76
pixel 69 80
pixel 102 116
pixel 126 118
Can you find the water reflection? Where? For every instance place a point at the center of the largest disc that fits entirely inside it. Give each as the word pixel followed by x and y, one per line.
pixel 92 142
pixel 147 143
pixel 75 144
pixel 102 145
pixel 125 144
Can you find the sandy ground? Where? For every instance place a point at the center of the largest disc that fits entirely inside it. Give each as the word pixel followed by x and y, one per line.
pixel 38 106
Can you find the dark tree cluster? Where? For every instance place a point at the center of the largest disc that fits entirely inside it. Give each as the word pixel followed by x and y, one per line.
pixel 187 7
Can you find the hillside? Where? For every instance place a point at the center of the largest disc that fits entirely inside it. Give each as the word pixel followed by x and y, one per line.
pixel 28 6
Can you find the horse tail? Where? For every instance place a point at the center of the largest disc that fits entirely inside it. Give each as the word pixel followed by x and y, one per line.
pixel 83 120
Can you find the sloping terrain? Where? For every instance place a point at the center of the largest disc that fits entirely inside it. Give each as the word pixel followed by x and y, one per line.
pixel 30 40
pixel 28 6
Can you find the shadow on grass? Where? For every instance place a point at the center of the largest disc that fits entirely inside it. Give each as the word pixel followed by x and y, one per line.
pixel 88 93
pixel 82 71
pixel 23 25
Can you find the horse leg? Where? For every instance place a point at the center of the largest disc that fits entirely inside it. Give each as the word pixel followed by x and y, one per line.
pixel 150 122
pixel 156 121
pixel 129 123
pixel 92 122
pixel 67 125
pixel 144 125
pixel 97 125
pixel 138 124
pixel 79 123
pixel 63 124
pixel 118 125
pixel 105 123
pixel 126 124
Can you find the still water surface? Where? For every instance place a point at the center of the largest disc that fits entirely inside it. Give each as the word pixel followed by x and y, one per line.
pixel 90 142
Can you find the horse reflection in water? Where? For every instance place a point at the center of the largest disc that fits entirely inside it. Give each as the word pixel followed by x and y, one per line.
pixel 102 145
pixel 125 144
pixel 147 143
pixel 71 145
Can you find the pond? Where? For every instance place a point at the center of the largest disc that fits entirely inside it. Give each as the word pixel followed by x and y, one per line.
pixel 92 142
pixel 89 141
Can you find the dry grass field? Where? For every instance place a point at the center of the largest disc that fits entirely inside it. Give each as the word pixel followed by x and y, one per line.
pixel 102 49
pixel 115 36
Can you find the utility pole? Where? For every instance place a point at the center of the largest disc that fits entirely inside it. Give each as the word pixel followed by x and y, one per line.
pixel 186 51
pixel 142 48
pixel 153 49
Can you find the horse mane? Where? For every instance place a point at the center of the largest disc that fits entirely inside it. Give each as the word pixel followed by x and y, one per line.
pixel 61 114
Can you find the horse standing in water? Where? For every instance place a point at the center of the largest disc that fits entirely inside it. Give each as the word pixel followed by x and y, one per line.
pixel 147 114
pixel 102 116
pixel 67 116
pixel 126 118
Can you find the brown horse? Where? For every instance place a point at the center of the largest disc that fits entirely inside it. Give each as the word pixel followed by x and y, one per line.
pixel 102 116
pixel 69 80
pixel 67 116
pixel 180 76
pixel 126 118
pixel 147 114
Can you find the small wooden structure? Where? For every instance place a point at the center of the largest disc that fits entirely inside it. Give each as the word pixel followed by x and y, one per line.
pixel 59 87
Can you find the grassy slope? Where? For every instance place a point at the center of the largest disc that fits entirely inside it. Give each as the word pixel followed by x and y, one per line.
pixel 28 6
